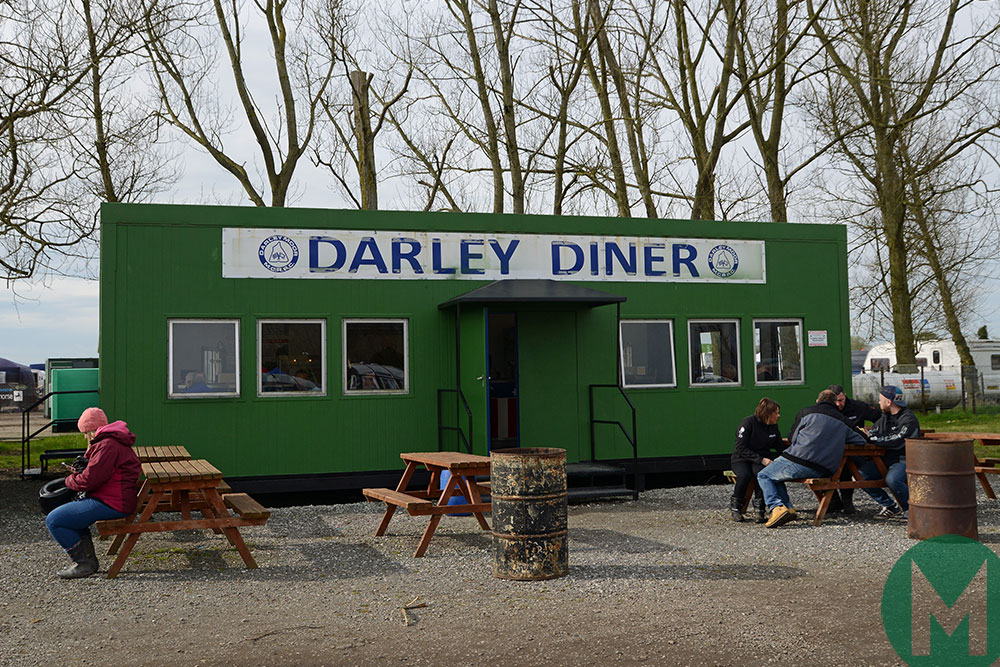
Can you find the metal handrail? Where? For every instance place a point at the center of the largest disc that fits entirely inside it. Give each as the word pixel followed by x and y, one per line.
pixel 632 440
pixel 26 435
pixel 442 428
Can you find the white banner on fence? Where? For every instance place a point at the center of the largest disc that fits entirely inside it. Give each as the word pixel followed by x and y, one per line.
pixel 310 253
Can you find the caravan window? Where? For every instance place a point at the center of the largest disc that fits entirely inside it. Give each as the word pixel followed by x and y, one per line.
pixel 376 357
pixel 290 356
pixel 995 362
pixel 648 353
pixel 777 349
pixel 203 358
pixel 936 357
pixel 880 363
pixel 713 346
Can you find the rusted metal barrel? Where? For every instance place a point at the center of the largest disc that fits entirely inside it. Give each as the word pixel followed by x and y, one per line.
pixel 942 479
pixel 528 487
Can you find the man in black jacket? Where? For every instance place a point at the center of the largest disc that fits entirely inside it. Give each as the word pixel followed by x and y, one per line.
pixel 857 413
pixel 893 427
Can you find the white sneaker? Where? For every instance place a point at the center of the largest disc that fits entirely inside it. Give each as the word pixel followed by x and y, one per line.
pixel 889 512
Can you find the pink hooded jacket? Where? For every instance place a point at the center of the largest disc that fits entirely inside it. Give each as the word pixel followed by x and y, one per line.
pixel 113 469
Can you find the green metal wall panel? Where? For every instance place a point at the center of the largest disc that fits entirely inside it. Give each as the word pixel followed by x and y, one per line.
pixel 160 262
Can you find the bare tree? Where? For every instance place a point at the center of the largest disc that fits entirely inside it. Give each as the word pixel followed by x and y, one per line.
pixel 180 40
pixel 894 65
pixel 43 63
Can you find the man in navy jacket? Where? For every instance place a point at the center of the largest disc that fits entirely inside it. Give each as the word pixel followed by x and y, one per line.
pixel 819 434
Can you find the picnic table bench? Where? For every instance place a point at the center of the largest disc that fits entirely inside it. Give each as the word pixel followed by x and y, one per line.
pixel 984 466
pixel 433 501
pixel 183 486
pixel 148 454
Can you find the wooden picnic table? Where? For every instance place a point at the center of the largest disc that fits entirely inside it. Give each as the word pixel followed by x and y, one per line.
pixel 183 486
pixel 433 501
pixel 162 453
pixel 984 466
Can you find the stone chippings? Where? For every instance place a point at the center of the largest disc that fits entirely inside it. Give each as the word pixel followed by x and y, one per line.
pixel 669 561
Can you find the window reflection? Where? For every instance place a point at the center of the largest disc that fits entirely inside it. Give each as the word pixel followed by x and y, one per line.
pixel 376 356
pixel 291 356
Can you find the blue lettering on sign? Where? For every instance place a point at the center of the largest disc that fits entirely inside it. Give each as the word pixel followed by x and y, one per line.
pixel 690 253
pixel 611 250
pixel 648 258
pixel 594 265
pixel 368 243
pixel 398 255
pixel 557 269
pixel 436 258
pixel 338 248
pixel 504 256
pixel 468 255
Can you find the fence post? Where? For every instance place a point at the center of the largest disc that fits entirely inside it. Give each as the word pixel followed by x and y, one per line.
pixel 962 376
pixel 923 394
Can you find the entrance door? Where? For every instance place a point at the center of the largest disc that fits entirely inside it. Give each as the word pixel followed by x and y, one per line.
pixel 549 392
pixel 501 363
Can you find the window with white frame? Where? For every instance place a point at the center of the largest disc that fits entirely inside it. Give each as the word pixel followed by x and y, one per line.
pixel 376 356
pixel 714 349
pixel 647 353
pixel 203 358
pixel 291 357
pixel 777 350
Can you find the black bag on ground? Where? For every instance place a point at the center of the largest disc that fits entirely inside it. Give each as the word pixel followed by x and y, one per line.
pixel 53 494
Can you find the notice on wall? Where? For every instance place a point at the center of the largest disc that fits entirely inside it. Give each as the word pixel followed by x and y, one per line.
pixel 353 254
pixel 18 396
pixel 817 338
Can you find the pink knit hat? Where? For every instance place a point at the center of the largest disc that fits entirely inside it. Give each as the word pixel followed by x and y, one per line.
pixel 91 420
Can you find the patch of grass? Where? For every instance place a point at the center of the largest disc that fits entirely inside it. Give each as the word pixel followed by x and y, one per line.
pixel 10 450
pixel 985 420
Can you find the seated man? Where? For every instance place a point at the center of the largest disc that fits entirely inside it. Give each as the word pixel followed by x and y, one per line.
pixel 893 427
pixel 818 436
pixel 857 413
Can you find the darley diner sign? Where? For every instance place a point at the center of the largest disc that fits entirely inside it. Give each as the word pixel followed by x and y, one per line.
pixel 305 253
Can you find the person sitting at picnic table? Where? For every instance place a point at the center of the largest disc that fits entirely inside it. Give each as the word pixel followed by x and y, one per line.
pixel 758 441
pixel 894 426
pixel 857 413
pixel 109 484
pixel 818 436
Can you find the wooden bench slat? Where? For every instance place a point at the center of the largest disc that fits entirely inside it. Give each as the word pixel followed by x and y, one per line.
pixel 245 506
pixel 396 498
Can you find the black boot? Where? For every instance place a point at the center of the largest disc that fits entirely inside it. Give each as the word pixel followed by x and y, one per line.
pixel 735 508
pixel 836 504
pixel 761 510
pixel 84 560
pixel 847 496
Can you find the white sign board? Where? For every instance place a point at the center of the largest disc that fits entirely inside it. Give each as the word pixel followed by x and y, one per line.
pixel 3 377
pixel 313 253
pixel 18 396
pixel 817 339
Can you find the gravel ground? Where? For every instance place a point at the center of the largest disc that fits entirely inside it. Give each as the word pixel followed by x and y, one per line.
pixel 667 579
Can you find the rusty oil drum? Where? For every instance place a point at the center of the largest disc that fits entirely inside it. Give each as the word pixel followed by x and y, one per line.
pixel 942 479
pixel 528 488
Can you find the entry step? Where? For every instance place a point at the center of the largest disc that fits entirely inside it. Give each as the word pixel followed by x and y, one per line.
pixel 590 492
pixel 592 468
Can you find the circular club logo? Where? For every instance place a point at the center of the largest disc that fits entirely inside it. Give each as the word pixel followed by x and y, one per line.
pixel 940 601
pixel 278 253
pixel 723 261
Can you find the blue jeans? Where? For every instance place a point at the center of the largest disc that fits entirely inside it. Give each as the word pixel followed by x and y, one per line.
pixel 773 477
pixel 70 522
pixel 895 479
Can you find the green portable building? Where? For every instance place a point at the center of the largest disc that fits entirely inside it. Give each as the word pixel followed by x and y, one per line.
pixel 303 349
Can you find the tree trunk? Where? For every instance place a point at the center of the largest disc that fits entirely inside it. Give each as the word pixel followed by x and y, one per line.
pixel 367 182
pixel 509 120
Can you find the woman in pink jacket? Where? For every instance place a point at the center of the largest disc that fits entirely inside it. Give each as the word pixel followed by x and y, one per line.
pixel 108 483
